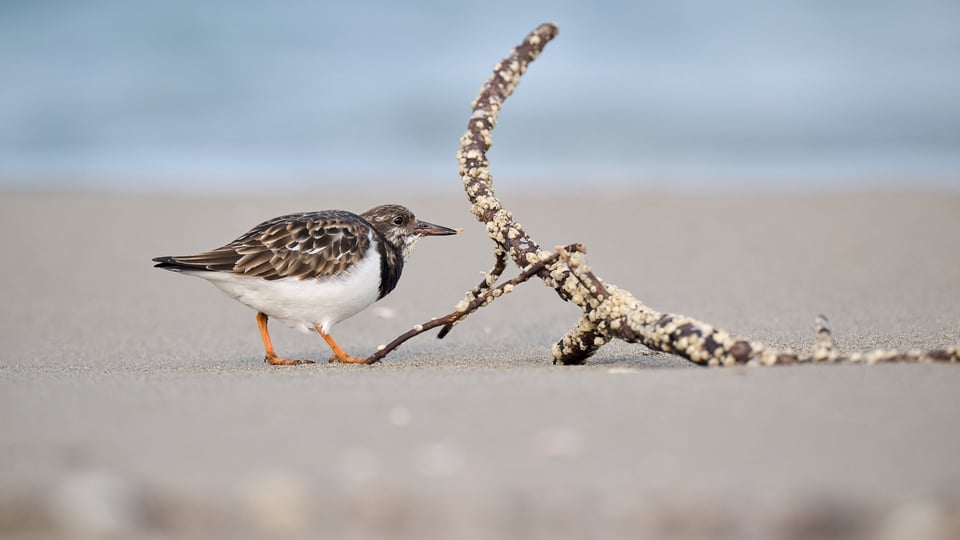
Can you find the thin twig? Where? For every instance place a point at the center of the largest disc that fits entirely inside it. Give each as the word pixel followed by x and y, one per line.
pixel 489 279
pixel 466 308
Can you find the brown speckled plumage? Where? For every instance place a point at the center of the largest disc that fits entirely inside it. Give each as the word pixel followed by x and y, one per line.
pixel 311 245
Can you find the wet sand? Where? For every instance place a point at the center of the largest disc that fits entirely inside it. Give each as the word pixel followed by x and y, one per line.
pixel 135 402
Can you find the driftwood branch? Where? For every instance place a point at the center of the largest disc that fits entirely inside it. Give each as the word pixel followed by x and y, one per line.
pixel 608 311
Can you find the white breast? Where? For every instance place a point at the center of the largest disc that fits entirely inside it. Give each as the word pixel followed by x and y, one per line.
pixel 306 303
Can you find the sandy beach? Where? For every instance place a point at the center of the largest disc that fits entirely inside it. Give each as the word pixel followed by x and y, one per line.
pixel 136 403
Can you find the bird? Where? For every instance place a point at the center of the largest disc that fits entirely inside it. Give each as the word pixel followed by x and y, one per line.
pixel 312 270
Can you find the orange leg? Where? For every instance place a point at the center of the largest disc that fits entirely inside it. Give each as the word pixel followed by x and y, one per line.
pixel 338 354
pixel 272 357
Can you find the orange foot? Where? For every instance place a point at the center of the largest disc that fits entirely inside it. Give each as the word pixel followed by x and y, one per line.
pixel 271 357
pixel 277 361
pixel 338 354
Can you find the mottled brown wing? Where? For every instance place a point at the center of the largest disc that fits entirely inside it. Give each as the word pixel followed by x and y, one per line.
pixel 309 245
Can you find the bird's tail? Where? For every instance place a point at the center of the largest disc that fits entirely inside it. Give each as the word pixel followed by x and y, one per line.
pixel 172 264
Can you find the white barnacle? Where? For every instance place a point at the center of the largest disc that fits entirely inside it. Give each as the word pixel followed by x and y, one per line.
pixel 418 328
pixel 769 358
pixel 462 306
pixel 381 347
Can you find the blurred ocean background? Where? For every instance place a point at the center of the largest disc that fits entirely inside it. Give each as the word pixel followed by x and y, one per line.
pixel 214 95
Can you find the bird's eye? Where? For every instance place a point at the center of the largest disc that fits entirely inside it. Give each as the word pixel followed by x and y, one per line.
pixel 398 220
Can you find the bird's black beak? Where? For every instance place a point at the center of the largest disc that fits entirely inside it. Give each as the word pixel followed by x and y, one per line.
pixel 429 229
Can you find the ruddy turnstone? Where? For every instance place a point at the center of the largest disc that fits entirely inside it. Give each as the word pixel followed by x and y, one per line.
pixel 312 270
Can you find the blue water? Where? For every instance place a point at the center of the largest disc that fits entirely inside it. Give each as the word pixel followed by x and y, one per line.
pixel 187 95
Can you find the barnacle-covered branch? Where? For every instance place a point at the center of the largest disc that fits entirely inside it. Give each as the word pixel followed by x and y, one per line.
pixel 615 313
pixel 508 235
pixel 608 311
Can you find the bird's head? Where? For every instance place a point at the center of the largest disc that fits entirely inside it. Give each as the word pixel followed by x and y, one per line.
pixel 401 228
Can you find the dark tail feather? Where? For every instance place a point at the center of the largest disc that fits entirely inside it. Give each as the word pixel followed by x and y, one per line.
pixel 171 263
